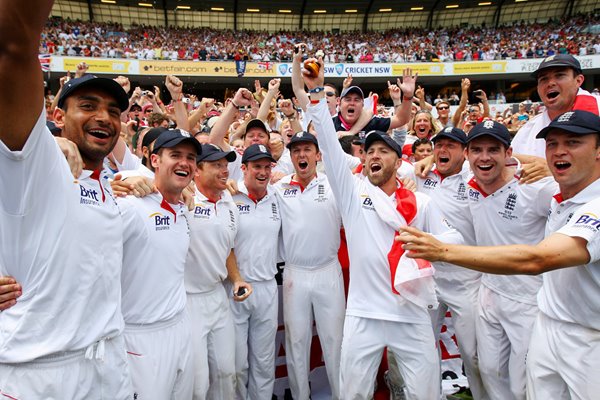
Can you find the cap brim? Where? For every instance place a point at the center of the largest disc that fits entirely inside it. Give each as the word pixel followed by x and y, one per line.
pixel 259 157
pixel 535 73
pixel 230 156
pixel 579 130
pixel 446 136
pixel 109 86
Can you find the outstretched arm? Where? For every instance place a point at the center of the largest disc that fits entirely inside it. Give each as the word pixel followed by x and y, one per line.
pixel 21 23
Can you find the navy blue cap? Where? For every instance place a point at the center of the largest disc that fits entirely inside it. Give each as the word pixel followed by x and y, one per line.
pixel 578 122
pixel 490 128
pixel 256 152
pixel 91 81
pixel 302 136
pixel 152 135
pixel 212 152
pixel 255 123
pixel 359 138
pixel 172 137
pixel 353 89
pixel 558 60
pixel 453 133
pixel 380 136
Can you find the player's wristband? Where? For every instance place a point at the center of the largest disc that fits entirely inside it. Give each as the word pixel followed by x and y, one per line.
pixel 317 89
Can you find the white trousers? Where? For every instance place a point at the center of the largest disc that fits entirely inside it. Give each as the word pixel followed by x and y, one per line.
pixel 213 345
pixel 97 373
pixel 318 292
pixel 413 347
pixel 503 333
pixel 563 361
pixel 160 359
pixel 255 328
pixel 461 299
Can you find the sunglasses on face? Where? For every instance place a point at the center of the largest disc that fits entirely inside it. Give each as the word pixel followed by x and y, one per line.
pixel 472 110
pixel 330 94
pixel 149 111
pixel 443 108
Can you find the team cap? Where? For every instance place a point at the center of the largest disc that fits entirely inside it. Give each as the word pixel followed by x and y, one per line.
pixel 490 128
pixel 302 136
pixel 92 81
pixel 558 60
pixel 379 136
pixel 172 137
pixel 255 123
pixel 458 135
pixel 578 122
pixel 256 152
pixel 212 152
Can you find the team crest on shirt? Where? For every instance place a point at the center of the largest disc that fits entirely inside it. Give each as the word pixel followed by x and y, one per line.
pixel 161 222
pixel 89 196
pixel 321 194
pixel 461 193
pixel 274 212
pixel 509 207
pixel 588 221
pixel 232 223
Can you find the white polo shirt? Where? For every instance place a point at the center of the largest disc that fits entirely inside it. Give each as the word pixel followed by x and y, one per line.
pixel 449 195
pixel 514 214
pixel 153 259
pixel 213 227
pixel 370 238
pixel 573 294
pixel 311 222
pixel 257 238
pixel 62 240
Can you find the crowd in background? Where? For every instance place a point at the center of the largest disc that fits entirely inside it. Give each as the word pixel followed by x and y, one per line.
pixel 519 40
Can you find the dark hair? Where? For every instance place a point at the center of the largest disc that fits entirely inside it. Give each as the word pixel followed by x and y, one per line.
pixel 420 142
pixel 346 143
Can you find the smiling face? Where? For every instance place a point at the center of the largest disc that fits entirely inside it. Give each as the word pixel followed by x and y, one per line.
pixel 422 126
pixel 256 135
pixel 487 157
pixel 212 176
pixel 174 168
pixel 573 160
pixel 351 107
pixel 449 155
pixel 304 156
pixel 558 88
pixel 91 118
pixel 381 163
pixel 257 175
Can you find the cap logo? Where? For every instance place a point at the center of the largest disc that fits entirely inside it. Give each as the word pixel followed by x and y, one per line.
pixel 548 58
pixel 488 124
pixel 300 134
pixel 262 148
pixel 448 129
pixel 566 117
pixel 185 133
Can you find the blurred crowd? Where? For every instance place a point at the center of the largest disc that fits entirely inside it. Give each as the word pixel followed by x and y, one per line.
pixel 519 40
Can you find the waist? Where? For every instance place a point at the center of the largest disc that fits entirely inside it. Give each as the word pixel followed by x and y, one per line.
pixel 155 326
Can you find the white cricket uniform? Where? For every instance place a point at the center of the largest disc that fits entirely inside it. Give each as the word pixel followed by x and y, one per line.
pixel 525 141
pixel 456 287
pixel 375 316
pixel 61 239
pixel 141 170
pixel 284 164
pixel 564 354
pixel 507 303
pixel 312 279
pixel 213 227
pixel 255 318
pixel 157 330
pixel 130 161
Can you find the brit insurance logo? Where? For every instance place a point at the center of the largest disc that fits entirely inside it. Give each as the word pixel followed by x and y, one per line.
pixel 290 192
pixel 367 203
pixel 89 196
pixel 243 208
pixel 161 222
pixel 588 221
pixel 202 211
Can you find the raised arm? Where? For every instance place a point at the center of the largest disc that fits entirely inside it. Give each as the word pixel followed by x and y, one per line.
pixel 297 82
pixel 465 84
pixel 243 98
pixel 402 95
pixel 265 106
pixel 175 87
pixel 21 24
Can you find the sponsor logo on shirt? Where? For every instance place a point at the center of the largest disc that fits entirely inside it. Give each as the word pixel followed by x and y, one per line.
pixel 291 192
pixel 89 196
pixel 243 208
pixel 588 221
pixel 430 183
pixel 474 194
pixel 161 222
pixel 201 211
pixel 367 203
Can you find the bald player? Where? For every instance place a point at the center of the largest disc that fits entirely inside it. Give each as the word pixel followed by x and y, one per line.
pixel 564 352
